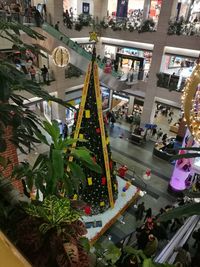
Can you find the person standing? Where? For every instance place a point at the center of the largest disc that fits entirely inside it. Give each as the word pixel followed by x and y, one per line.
pixel 140 211
pixel 151 246
pixel 148 214
pixel 57 25
pixel 159 134
pixel 32 72
pixel 44 71
pixel 65 131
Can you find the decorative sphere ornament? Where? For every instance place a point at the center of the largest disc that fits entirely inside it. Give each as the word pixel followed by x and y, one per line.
pixel 61 56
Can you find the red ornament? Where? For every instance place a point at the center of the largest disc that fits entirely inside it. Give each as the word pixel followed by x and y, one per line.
pixel 122 171
pixel 111 163
pixel 94 159
pixel 98 130
pixel 103 180
pixel 87 210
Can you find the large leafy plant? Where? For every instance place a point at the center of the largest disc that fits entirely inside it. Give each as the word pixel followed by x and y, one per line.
pixel 52 234
pixel 13 112
pixel 54 174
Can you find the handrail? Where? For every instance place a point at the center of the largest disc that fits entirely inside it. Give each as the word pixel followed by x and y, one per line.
pixel 180 238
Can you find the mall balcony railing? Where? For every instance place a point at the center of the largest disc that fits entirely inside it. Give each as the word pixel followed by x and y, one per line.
pixel 39 78
pixel 183 27
pixel 171 82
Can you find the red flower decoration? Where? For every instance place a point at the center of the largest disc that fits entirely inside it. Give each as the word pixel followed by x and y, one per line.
pixel 87 210
pixel 103 180
pixel 98 130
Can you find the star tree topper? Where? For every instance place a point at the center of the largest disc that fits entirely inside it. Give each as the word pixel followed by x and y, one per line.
pixel 93 36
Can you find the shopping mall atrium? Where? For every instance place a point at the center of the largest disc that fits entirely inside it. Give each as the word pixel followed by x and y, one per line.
pixel 99 133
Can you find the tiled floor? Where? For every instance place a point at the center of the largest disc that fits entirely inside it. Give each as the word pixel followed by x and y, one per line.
pixel 138 159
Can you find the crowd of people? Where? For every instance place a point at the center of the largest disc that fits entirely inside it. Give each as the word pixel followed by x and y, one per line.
pixel 153 235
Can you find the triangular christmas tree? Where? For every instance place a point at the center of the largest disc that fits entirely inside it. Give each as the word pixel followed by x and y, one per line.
pixel 101 190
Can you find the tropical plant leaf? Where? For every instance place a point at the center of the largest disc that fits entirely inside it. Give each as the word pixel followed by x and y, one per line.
pixel 186 210
pixel 84 156
pixel 53 211
pixel 77 171
pixel 185 156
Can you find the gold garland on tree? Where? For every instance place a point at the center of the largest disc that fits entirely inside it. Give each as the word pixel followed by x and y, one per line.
pixel 191 103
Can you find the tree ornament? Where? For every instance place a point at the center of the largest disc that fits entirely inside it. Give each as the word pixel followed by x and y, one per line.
pixel 87 210
pixel 75 197
pixel 102 203
pixel 81 136
pixel 103 180
pixel 90 181
pixel 111 164
pixel 93 36
pixel 61 56
pixel 94 159
pixel 98 130
pixel 87 113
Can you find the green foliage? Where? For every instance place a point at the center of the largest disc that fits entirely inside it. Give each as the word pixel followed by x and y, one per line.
pixel 85 19
pixel 107 253
pixel 54 212
pixel 147 26
pixel 12 110
pixel 48 174
pixel 187 210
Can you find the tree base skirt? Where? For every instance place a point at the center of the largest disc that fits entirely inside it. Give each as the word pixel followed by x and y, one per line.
pixel 109 217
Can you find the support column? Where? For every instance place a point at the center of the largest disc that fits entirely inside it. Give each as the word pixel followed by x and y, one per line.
pixel 100 9
pixel 54 11
pixel 130 105
pixel 146 9
pixel 58 111
pixel 147 115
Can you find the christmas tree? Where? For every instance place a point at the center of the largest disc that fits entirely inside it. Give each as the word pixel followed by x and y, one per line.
pixel 100 190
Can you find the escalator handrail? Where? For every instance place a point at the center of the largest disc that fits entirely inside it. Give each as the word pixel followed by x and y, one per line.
pixel 179 239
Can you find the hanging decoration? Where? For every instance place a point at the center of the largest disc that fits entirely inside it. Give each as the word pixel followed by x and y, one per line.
pixel 61 56
pixel 191 103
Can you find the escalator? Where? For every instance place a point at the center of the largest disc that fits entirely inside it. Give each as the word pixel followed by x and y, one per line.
pixel 78 56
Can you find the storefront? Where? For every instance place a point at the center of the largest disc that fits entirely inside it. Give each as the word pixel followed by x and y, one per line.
pixel 130 59
pixel 125 8
pixel 189 10
pixel 77 7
